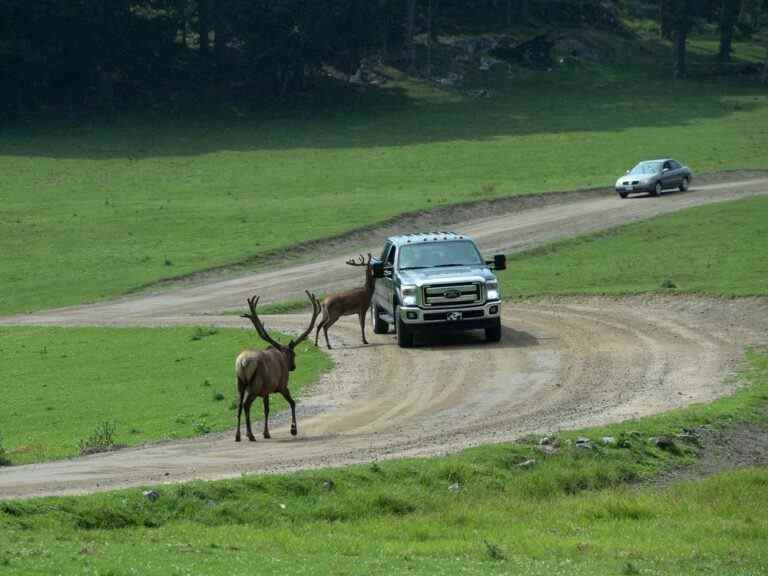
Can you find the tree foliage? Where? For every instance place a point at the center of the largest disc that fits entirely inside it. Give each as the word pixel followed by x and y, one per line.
pixel 74 54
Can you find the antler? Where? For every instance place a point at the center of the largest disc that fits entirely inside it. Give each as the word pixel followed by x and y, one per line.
pixel 315 314
pixel 254 318
pixel 361 262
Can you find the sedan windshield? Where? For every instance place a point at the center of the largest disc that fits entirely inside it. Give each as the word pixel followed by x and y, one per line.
pixel 652 167
pixel 438 254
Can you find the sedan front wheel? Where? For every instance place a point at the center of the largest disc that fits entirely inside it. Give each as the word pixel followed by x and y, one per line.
pixel 658 189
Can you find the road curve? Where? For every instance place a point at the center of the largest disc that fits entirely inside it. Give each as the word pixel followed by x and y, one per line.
pixel 562 363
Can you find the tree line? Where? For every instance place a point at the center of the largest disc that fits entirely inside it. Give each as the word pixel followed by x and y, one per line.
pixel 103 53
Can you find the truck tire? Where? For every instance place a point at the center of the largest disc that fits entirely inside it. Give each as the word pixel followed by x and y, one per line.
pixel 493 333
pixel 379 326
pixel 404 333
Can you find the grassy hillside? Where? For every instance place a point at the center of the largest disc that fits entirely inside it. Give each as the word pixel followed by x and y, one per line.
pixel 478 512
pixel 718 249
pixel 91 209
pixel 60 386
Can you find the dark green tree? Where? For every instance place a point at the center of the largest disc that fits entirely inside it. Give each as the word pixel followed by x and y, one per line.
pixel 729 14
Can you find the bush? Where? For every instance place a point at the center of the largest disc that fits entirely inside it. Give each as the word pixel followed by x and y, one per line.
pixel 101 440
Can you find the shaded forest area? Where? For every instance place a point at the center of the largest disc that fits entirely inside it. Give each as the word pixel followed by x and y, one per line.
pixel 105 54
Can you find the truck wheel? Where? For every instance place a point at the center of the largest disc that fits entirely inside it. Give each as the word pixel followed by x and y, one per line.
pixel 493 333
pixel 404 333
pixel 379 326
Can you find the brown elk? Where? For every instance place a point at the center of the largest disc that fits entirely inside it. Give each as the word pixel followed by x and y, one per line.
pixel 355 301
pixel 265 372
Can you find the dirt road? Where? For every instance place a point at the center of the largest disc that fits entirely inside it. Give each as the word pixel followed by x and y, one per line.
pixel 561 364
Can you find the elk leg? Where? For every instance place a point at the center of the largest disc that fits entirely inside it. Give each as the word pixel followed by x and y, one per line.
pixel 362 324
pixel 325 332
pixel 317 332
pixel 239 412
pixel 287 395
pixel 248 401
pixel 266 415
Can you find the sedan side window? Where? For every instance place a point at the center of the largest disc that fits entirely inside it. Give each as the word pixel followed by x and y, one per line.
pixel 674 165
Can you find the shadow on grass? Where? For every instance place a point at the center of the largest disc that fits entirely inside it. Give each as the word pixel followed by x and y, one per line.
pixel 584 99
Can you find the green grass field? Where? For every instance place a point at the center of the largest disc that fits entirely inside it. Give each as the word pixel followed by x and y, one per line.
pixel 718 249
pixel 93 209
pixel 572 513
pixel 59 385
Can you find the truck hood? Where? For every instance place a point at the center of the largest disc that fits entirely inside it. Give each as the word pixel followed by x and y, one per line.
pixel 452 275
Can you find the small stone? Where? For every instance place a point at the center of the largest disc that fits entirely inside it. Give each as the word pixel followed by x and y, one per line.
pixel 527 464
pixel 583 442
pixel 688 438
pixel 455 487
pixel 151 495
pixel 282 506
pixel 329 484
pixel 547 449
pixel 608 440
pixel 665 443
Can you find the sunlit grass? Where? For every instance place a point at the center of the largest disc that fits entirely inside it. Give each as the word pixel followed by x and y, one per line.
pixel 718 249
pixel 58 385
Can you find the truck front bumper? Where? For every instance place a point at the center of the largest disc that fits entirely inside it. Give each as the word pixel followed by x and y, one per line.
pixel 469 318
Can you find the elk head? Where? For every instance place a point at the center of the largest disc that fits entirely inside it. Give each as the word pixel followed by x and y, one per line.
pixel 288 351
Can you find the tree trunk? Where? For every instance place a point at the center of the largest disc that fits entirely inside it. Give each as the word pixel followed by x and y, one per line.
pixel 665 19
pixel 220 33
pixel 680 64
pixel 729 13
pixel 764 75
pixel 181 12
pixel 410 28
pixel 523 11
pixel 434 11
pixel 203 27
pixel 105 70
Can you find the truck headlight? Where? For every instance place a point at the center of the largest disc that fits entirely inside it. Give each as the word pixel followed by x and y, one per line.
pixel 408 295
pixel 492 290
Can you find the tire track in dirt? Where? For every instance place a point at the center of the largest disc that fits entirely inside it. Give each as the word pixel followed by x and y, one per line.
pixel 562 364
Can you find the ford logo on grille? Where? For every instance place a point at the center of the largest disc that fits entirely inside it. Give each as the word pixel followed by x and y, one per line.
pixel 451 294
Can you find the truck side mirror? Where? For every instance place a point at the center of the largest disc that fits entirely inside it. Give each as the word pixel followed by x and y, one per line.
pixel 499 262
pixel 378 269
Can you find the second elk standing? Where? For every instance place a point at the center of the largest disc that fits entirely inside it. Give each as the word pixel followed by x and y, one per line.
pixel 355 301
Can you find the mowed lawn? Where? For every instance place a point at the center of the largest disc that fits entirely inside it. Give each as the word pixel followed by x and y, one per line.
pixel 60 385
pixel 720 249
pixel 90 210
pixel 478 512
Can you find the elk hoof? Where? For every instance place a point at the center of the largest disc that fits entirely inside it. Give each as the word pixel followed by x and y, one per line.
pixel 237 438
pixel 267 436
pixel 252 438
pixel 293 430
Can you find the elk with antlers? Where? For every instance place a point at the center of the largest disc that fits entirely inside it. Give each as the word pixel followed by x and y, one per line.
pixel 265 372
pixel 355 301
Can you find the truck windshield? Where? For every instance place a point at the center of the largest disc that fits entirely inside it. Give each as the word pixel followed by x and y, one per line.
pixel 439 254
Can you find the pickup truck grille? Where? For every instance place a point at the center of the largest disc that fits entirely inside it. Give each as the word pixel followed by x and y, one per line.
pixel 443 295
